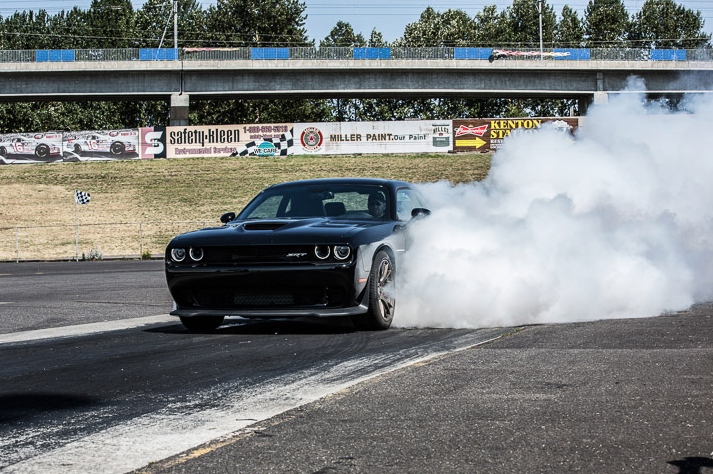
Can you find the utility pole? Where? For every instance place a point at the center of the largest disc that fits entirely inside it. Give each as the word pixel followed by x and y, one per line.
pixel 539 7
pixel 175 25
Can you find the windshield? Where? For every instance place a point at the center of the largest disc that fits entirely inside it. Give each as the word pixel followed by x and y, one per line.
pixel 338 201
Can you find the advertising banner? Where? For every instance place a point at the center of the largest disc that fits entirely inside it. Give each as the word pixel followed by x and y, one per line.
pixel 152 142
pixel 228 140
pixel 417 136
pixel 101 145
pixel 488 134
pixel 40 147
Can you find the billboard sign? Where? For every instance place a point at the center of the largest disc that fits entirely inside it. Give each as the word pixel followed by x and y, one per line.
pixel 488 134
pixel 152 142
pixel 227 140
pixel 417 136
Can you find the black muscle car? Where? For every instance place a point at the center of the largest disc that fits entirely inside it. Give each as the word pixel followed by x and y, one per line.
pixel 326 247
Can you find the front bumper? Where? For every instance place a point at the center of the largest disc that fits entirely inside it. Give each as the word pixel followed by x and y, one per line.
pixel 267 291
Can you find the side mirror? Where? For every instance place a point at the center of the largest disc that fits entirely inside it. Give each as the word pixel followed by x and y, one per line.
pixel 420 212
pixel 227 217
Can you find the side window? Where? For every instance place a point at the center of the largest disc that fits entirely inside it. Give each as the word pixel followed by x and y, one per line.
pixel 406 200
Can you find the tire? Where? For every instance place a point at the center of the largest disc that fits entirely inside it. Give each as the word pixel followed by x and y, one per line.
pixel 202 323
pixel 77 148
pixel 3 151
pixel 117 148
pixel 42 151
pixel 382 302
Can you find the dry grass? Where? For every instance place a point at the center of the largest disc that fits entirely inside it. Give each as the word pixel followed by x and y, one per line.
pixel 190 189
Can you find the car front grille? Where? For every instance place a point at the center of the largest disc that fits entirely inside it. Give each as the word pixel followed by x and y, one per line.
pixel 262 254
pixel 269 298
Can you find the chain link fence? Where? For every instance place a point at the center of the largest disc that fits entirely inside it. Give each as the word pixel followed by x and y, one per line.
pixel 91 241
pixel 345 53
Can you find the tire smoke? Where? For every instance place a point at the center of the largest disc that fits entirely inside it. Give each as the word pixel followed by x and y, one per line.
pixel 614 222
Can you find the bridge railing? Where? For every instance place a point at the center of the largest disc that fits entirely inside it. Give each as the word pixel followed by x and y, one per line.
pixel 356 54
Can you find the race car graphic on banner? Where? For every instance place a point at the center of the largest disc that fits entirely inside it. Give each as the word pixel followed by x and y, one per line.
pixel 41 147
pixel 101 145
pixel 413 136
pixel 227 140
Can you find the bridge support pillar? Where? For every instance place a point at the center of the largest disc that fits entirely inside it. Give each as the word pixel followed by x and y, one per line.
pixel 179 109
pixel 601 98
pixel 584 103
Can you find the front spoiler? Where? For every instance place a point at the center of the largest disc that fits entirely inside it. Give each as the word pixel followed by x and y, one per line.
pixel 273 313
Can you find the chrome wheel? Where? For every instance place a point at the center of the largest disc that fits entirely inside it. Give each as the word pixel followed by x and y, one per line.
pixel 382 303
pixel 386 303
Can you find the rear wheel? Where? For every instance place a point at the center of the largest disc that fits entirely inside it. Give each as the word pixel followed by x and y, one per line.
pixel 117 148
pixel 202 323
pixel 42 151
pixel 382 302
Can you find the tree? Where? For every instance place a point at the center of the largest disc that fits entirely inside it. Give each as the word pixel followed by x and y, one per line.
pixel 376 40
pixel 450 28
pixel 72 26
pixel 111 24
pixel 524 19
pixel 569 32
pixel 256 23
pixel 156 17
pixel 493 28
pixel 342 35
pixel 606 23
pixel 666 24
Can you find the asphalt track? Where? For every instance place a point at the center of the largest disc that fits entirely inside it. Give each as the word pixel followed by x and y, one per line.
pixel 96 378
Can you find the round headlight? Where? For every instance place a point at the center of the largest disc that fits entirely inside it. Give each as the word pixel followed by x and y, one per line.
pixel 178 255
pixel 196 253
pixel 341 252
pixel 321 251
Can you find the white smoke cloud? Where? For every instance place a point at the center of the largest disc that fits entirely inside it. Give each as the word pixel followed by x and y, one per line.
pixel 614 223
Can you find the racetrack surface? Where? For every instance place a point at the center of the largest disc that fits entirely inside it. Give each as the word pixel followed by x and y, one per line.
pixel 41 295
pixel 120 389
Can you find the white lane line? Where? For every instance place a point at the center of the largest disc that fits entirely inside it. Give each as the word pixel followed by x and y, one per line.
pixel 232 407
pixel 84 329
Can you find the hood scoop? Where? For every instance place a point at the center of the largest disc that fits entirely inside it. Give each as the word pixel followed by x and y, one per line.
pixel 263 225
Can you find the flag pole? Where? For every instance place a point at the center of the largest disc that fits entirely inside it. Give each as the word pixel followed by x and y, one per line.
pixel 76 226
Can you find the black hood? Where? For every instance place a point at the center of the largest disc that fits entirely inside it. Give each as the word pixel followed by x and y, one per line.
pixel 318 230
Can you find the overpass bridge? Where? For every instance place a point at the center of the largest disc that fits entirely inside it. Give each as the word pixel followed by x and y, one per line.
pixel 336 73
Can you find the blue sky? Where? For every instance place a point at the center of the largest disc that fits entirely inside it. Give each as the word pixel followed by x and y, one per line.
pixel 389 16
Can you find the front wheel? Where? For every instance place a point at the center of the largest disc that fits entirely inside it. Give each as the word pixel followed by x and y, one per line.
pixel 382 302
pixel 202 323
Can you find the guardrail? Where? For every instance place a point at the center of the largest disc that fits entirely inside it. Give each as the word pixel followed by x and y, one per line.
pixel 355 54
pixel 95 240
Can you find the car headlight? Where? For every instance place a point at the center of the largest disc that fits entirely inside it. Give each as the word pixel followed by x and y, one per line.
pixel 321 251
pixel 178 255
pixel 341 252
pixel 196 253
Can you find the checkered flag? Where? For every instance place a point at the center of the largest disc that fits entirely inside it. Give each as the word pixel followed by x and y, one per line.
pixel 286 142
pixel 283 144
pixel 80 197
